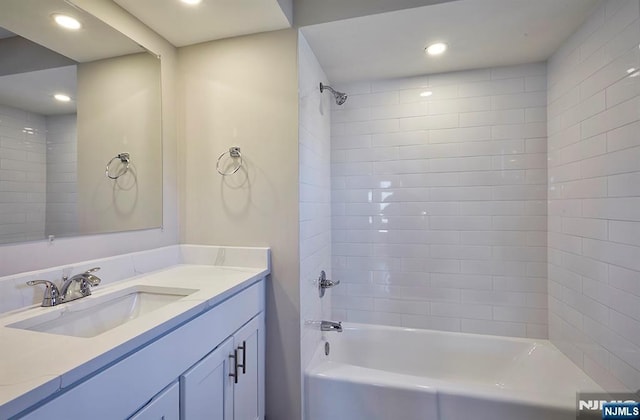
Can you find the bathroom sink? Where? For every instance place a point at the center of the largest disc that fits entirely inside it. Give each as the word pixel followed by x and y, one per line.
pixel 95 315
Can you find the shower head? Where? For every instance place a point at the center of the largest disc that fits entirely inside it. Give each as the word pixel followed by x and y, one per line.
pixel 339 96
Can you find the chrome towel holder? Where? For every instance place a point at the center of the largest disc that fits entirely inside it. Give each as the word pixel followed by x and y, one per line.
pixel 124 158
pixel 234 152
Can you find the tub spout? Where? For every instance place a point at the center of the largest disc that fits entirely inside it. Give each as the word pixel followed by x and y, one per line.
pixel 331 326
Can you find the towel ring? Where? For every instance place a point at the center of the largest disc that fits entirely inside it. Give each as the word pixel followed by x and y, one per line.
pixel 233 152
pixel 124 158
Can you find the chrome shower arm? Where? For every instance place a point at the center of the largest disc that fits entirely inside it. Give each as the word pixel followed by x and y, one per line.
pixel 340 97
pixel 329 88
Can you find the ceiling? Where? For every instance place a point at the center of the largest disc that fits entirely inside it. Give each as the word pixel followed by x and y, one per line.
pixel 31 19
pixel 31 75
pixel 184 25
pixel 33 91
pixel 6 34
pixel 311 12
pixel 480 34
pixel 376 39
pixel 380 43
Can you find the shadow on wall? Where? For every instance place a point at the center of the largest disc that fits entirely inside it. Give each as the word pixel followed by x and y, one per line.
pixel 235 190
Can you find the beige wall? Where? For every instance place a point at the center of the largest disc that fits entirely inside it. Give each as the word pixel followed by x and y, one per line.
pixel 243 92
pixel 119 111
pixel 34 255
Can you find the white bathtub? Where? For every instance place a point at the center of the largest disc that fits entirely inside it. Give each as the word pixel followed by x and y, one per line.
pixel 389 373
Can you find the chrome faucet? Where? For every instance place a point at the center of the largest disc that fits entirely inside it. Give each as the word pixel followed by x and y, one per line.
pixel 51 293
pixel 79 286
pixel 324 283
pixel 72 288
pixel 331 326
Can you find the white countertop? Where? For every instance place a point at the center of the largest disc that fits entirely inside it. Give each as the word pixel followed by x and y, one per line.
pixel 34 365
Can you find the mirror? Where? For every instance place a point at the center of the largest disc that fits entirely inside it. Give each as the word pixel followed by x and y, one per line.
pixel 54 152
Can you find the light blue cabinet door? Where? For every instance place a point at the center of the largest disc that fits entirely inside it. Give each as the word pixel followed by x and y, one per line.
pixel 206 390
pixel 164 406
pixel 249 391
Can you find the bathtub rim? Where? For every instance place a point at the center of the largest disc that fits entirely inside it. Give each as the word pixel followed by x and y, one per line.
pixel 328 369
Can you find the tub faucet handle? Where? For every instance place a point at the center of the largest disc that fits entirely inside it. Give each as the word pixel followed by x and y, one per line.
pixel 324 283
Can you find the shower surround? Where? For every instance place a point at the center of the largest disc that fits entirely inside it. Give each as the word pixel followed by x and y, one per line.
pixel 440 212
pixel 439 201
pixel 594 196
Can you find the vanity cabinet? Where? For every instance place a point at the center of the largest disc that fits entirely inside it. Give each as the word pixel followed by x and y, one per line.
pixel 227 383
pixel 206 389
pixel 183 374
pixel 248 402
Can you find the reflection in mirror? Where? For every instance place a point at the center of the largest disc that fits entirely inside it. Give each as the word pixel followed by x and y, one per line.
pixel 64 115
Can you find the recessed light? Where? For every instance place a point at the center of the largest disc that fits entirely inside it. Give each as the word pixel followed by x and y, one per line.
pixel 436 49
pixel 426 93
pixel 631 70
pixel 62 97
pixel 67 22
pixel 191 2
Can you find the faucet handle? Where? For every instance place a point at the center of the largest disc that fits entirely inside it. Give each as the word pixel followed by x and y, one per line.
pixel 51 292
pixel 324 283
pixel 93 280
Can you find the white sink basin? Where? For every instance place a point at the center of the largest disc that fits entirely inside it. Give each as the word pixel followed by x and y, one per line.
pixel 93 315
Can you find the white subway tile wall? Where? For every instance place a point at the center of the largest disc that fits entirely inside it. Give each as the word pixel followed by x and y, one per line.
pixel 594 195
pixel 22 175
pixel 315 199
pixel 439 202
pixel 62 176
